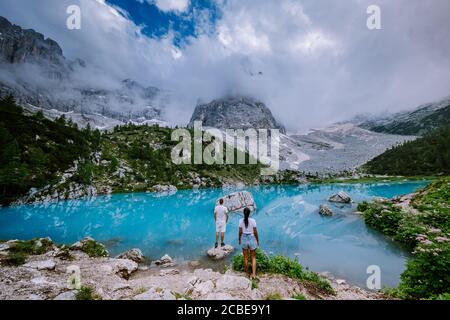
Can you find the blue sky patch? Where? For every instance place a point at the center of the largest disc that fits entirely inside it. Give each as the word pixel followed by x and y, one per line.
pixel 157 23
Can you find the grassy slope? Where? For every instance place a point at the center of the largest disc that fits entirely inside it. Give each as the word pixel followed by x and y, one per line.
pixel 426 231
pixel 145 150
pixel 37 152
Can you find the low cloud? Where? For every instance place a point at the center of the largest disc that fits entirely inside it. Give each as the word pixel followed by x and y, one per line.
pixel 312 63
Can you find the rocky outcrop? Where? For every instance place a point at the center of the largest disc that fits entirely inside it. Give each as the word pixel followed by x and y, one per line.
pixel 114 279
pixel 340 197
pixel 41 265
pixel 164 189
pixel 235 113
pixel 325 210
pixel 18 46
pixel 134 254
pixel 220 252
pixel 26 57
pixel 123 267
pixel 155 294
pixel 165 261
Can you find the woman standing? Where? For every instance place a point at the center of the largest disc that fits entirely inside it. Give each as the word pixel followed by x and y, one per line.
pixel 248 237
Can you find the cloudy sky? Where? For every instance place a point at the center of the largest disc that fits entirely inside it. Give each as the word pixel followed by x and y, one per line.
pixel 313 62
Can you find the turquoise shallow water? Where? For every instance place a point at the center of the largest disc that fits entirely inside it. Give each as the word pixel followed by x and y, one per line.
pixel 182 225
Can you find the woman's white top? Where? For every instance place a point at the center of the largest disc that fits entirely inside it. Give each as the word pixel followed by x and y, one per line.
pixel 249 228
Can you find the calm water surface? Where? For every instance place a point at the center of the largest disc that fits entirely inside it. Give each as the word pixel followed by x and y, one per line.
pixel 182 225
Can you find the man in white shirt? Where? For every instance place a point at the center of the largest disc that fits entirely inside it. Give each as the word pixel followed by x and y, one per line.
pixel 221 219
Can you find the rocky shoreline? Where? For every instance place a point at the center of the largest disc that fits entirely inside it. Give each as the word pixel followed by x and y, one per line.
pixel 47 276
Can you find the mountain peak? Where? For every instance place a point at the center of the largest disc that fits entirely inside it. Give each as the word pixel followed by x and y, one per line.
pixel 235 112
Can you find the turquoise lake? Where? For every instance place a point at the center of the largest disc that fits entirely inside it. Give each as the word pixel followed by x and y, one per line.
pixel 182 226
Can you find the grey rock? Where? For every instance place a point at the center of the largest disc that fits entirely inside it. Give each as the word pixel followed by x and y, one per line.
pixel 325 210
pixel 134 254
pixel 233 283
pixel 5 246
pixel 203 288
pixel 124 267
pixel 155 294
pixel 67 295
pixel 165 272
pixel 41 265
pixel 236 112
pixel 340 197
pixel 219 296
pixel 164 189
pixel 26 55
pixel 165 261
pixel 220 252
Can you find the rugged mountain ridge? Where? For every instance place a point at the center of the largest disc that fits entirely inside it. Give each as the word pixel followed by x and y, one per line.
pixel 236 112
pixel 36 73
pixel 419 121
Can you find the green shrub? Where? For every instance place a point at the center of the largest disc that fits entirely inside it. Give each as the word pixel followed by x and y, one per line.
pixel 284 266
pixel 15 258
pixel 273 296
pixel 299 297
pixel 87 293
pixel 94 249
pixel 383 217
pixel 426 274
pixel 426 231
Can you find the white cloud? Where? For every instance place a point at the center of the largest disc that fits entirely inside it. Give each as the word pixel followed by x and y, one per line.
pixel 319 63
pixel 172 5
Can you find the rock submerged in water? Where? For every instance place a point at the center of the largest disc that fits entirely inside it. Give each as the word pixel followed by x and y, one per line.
pixel 134 254
pixel 220 252
pixel 340 197
pixel 325 210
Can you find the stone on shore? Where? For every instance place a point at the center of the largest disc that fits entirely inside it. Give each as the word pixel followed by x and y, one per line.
pixel 233 283
pixel 134 254
pixel 164 189
pixel 165 261
pixel 156 294
pixel 325 210
pixel 340 197
pixel 123 267
pixel 220 252
pixel 67 295
pixel 41 265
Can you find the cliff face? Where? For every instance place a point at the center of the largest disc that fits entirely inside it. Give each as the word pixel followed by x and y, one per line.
pixel 235 113
pixel 19 46
pixel 35 71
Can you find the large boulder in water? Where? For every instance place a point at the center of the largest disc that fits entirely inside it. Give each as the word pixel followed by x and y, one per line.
pixel 237 201
pixel 340 197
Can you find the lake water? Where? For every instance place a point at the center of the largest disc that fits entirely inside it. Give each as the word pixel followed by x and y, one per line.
pixel 182 225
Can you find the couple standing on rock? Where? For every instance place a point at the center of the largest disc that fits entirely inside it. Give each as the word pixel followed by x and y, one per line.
pixel 248 234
